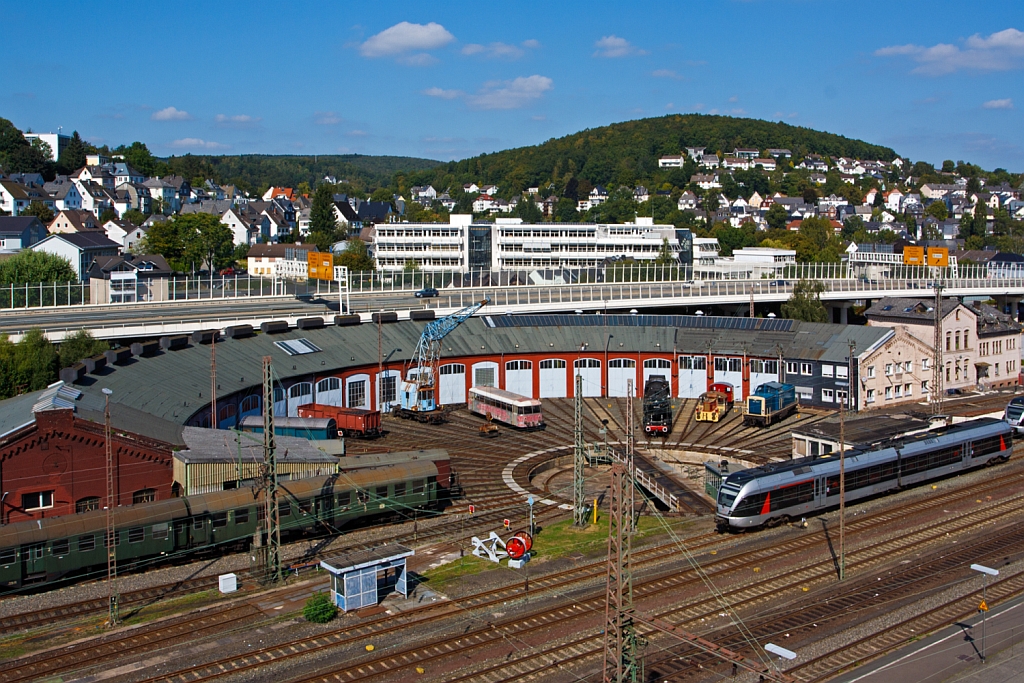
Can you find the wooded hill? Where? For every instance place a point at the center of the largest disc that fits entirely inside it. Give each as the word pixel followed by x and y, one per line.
pixel 626 153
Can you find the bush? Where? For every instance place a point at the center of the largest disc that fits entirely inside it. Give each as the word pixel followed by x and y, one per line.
pixel 319 609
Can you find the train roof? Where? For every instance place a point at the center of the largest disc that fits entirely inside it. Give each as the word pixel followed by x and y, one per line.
pixel 291 422
pixel 69 526
pixel 505 395
pixel 355 462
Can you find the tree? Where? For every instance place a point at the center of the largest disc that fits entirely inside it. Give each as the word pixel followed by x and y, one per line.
pixel 382 194
pixel 29 365
pixel 73 157
pixel 355 257
pixel 411 266
pixel 565 211
pixel 36 266
pixel 16 154
pixel 323 225
pixel 528 211
pixel 134 216
pixel 665 255
pixel 937 210
pixel 138 156
pixel 210 242
pixel 78 346
pixel 948 166
pixel 805 303
pixel 108 215
pixel 810 195
pixel 777 217
pixel 40 211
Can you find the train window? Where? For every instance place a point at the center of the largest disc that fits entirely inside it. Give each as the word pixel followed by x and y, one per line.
pixel 344 498
pixel 8 555
pixel 59 547
pixel 159 531
pixel 144 496
pixel 362 496
pixel 87 504
pixel 751 505
pixel 381 492
pixel 399 489
pixel 797 494
pixel 241 516
pixel 86 543
pixel 197 523
pixel 284 508
pixel 305 506
pixel 419 485
pixel 261 513
pixel 219 519
pixel 982 447
pixel 136 534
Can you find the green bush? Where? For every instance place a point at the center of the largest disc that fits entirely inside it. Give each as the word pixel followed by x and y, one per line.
pixel 319 609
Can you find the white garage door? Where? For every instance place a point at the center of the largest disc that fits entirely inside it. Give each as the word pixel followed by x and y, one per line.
pixel 280 403
pixel 590 370
pixel 328 392
pixel 552 378
pixel 730 370
pixel 453 383
pixel 299 395
pixel 519 377
pixel 387 389
pixel 657 366
pixel 693 376
pixel 357 392
pixel 620 370
pixel 485 374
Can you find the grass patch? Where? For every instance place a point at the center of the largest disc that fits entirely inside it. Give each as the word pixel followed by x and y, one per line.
pixel 439 577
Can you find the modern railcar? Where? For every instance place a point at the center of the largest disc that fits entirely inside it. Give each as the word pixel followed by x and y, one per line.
pixel 318 429
pixel 49 550
pixel 657 405
pixel 505 407
pixel 779 492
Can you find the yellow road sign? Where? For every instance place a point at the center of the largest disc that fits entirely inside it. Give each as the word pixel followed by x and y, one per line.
pixel 983 607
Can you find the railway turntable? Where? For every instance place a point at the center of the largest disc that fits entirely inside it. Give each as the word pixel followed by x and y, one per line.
pixel 355 577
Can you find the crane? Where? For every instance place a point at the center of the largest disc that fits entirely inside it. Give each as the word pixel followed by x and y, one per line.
pixel 417 393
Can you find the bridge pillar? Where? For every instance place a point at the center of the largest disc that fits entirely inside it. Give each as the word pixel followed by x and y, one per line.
pixel 843 307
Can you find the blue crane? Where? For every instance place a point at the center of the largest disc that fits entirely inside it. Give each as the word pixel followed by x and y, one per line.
pixel 417 393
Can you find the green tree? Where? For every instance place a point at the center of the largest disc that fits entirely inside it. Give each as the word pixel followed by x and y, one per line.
pixel 777 217
pixel 210 243
pixel 73 157
pixel 938 210
pixel 382 194
pixel 134 216
pixel 167 239
pixel 665 255
pixel 355 257
pixel 29 365
pixel 78 346
pixel 16 154
pixel 40 211
pixel 565 211
pixel 528 211
pixel 948 166
pixel 107 215
pixel 36 266
pixel 138 156
pixel 805 303
pixel 323 226
pixel 411 266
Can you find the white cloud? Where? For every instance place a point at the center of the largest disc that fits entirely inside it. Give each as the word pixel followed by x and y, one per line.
pixel 236 121
pixel 357 133
pixel 613 46
pixel 406 37
pixel 1000 51
pixel 531 44
pixel 197 143
pixel 500 50
pixel 443 94
pixel 999 104
pixel 511 94
pixel 326 118
pixel 170 114
pixel 666 73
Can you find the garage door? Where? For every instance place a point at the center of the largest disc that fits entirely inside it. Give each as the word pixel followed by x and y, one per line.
pixel 328 392
pixel 590 370
pixel 657 366
pixel 693 376
pixel 299 395
pixel 452 384
pixel 620 371
pixel 552 378
pixel 485 374
pixel 519 377
pixel 730 370
pixel 357 392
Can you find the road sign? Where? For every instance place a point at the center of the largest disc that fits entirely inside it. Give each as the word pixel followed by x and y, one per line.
pixel 472 509
pixel 983 607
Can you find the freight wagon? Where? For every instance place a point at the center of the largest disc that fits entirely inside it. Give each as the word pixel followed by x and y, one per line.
pixel 47 550
pixel 364 424
pixel 770 403
pixel 317 429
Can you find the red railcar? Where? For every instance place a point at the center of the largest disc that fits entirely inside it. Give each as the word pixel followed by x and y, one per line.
pixel 364 424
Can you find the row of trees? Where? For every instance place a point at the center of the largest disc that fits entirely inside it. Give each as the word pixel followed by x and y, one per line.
pixel 192 242
pixel 34 362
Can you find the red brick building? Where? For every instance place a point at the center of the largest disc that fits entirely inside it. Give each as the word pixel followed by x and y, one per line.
pixel 56 465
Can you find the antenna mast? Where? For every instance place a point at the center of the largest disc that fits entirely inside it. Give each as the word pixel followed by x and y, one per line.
pixel 936 393
pixel 578 456
pixel 622 662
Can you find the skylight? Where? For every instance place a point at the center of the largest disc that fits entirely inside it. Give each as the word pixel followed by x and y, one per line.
pixel 297 347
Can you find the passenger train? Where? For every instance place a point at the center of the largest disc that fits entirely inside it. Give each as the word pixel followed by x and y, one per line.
pixel 776 493
pixel 505 407
pixel 48 550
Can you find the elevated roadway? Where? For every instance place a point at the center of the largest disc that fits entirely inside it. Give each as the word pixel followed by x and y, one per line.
pixel 134 320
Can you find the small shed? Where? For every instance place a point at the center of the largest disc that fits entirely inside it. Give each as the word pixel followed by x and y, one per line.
pixel 355 580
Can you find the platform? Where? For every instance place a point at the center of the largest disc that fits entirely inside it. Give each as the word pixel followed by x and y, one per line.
pixel 354 576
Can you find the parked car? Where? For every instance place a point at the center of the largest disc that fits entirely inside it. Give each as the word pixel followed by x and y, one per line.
pixel 426 293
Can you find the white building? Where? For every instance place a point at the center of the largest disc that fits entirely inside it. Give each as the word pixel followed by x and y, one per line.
pixel 56 141
pixel 510 244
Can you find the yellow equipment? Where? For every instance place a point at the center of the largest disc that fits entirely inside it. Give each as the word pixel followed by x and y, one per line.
pixel 711 406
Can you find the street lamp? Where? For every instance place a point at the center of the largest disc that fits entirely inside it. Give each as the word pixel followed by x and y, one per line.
pixel 985 572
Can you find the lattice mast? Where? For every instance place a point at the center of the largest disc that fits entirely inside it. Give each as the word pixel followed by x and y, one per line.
pixel 272 517
pixel 213 381
pixel 111 540
pixel 579 513
pixel 630 501
pixel 935 395
pixel 622 660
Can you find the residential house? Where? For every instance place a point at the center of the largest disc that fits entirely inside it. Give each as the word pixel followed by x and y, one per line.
pixel 125 174
pixel 695 153
pixel 598 196
pixel 706 181
pixel 15 197
pixel 709 161
pixel 814 162
pixel 214 207
pixel 483 203
pixel 130 196
pixel 766 163
pixel 640 194
pixel 80 249
pixel 778 153
pixel 74 220
pixel 20 232
pixel 736 163
pixel 687 201
pixel 471 188
pixel 374 212
pixel 755 201
pixel 268 260
pixel 277 192
pixel 100 175
pixel 489 189
pixel 95 197
pixel 127 279
pixel 246 226
pixel 133 239
pixel 892 199
pixel 164 192
pixel 118 230
pixel 64 192
pixel 746 153
pixel 671 161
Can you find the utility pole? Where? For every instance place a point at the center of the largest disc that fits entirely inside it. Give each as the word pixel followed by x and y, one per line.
pixel 270 554
pixel 622 662
pixel 111 537
pixel 936 393
pixel 578 456
pixel 751 301
pixel 630 501
pixel 213 380
pixel 842 463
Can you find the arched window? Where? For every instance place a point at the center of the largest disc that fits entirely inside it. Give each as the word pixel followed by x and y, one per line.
pixel 949 336
pixel 250 404
pixel 86 504
pixel 958 340
pixel 227 412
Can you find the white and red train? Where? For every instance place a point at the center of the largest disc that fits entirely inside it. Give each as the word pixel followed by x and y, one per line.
pixel 505 407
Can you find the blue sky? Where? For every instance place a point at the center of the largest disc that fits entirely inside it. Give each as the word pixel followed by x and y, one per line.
pixel 933 80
